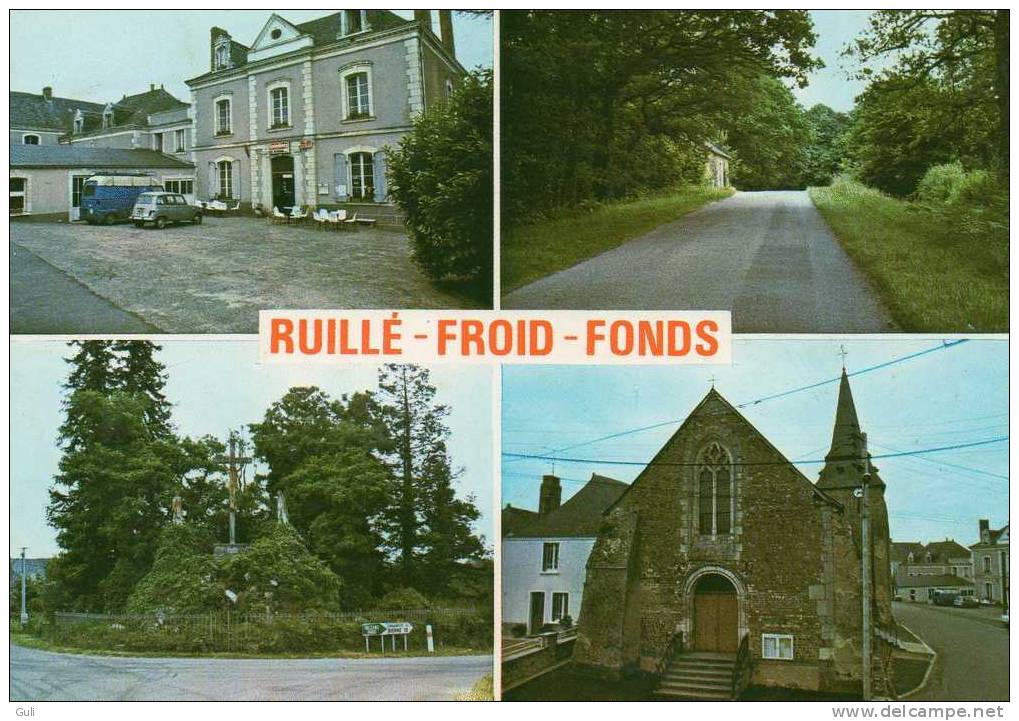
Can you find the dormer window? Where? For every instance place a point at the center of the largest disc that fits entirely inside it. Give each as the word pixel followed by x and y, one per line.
pixel 222 56
pixel 108 116
pixel 79 122
pixel 353 21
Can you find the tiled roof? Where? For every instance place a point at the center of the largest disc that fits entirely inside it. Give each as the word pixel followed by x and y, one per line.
pixel 514 519
pixel 900 550
pixel 75 156
pixel 581 515
pixel 931 581
pixel 994 537
pixel 28 110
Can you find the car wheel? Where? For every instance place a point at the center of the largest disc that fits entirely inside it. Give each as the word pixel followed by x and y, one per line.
pixel 90 221
pixel 198 219
pixel 139 225
pixel 109 219
pixel 160 222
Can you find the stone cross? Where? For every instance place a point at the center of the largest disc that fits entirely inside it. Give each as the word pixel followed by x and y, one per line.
pixel 281 509
pixel 178 510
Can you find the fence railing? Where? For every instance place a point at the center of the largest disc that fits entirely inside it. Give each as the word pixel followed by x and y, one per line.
pixel 66 618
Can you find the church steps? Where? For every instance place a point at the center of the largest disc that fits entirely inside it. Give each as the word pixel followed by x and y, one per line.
pixel 698 676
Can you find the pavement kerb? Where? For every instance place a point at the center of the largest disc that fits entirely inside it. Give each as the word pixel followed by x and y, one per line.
pixel 930 666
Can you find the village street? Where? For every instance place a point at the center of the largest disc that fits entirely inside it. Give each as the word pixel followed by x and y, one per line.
pixel 209 278
pixel 44 676
pixel 768 257
pixel 972 648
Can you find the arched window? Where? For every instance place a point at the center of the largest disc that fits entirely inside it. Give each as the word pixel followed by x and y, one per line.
pixel 714 491
pixel 30 139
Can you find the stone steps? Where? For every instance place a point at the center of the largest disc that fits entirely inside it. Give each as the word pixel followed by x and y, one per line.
pixel 693 676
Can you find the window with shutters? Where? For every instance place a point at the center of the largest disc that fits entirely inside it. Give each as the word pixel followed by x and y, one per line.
pixel 226 178
pixel 362 177
pixel 714 491
pixel 224 119
pixel 178 141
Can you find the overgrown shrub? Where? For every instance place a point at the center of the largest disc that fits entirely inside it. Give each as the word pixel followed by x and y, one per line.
pixel 441 177
pixel 183 577
pixel 940 182
pixel 404 598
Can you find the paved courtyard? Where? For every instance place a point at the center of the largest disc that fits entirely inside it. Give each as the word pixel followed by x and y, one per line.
pixel 215 277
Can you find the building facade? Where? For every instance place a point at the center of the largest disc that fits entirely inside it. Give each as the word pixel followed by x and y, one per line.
pixel 544 556
pixel 990 564
pixel 939 558
pixel 303 114
pixel 43 119
pixel 922 588
pixel 721 542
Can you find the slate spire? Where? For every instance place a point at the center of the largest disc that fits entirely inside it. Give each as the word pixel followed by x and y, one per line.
pixel 847 458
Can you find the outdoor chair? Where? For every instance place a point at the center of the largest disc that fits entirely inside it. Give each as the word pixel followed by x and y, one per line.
pixel 351 222
pixel 298 215
pixel 321 218
pixel 337 218
pixel 278 217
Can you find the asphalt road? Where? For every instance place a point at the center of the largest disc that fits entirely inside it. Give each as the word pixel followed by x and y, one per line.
pixel 46 300
pixel 972 648
pixel 44 676
pixel 768 257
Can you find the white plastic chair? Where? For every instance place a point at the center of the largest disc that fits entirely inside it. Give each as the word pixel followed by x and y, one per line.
pixel 321 218
pixel 337 217
pixel 296 216
pixel 277 216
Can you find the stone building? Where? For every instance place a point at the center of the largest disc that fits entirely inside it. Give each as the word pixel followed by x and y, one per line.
pixel 922 587
pixel 721 544
pixel 716 166
pixel 302 115
pixel 939 558
pixel 990 564
pixel 43 119
pixel 544 554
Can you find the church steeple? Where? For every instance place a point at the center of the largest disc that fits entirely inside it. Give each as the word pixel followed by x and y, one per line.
pixel 847 458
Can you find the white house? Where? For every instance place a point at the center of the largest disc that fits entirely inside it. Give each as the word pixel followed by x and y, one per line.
pixel 544 558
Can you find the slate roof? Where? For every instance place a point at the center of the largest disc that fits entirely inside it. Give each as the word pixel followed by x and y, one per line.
pixel 943 551
pixel 994 537
pixel 900 551
pixel 28 110
pixel 75 156
pixel 514 519
pixel 581 515
pixel 936 580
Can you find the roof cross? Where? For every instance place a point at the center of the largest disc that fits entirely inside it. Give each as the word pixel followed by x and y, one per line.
pixel 843 352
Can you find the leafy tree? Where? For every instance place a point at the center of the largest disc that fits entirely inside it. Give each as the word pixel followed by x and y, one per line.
pixel 428 528
pixel 322 455
pixel 441 177
pixel 825 152
pixel 279 573
pixel 141 374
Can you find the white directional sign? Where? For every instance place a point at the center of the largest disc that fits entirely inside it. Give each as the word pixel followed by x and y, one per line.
pixel 384 629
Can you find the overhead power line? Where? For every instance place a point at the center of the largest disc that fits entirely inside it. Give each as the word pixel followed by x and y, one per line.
pixel 604 462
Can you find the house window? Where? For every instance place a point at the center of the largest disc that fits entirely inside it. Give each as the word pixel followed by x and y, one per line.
pixel 777 646
pixel 279 101
pixel 276 33
pixel 226 178
pixel 987 564
pixel 989 591
pixel 358 96
pixel 224 125
pixel 362 176
pixel 354 21
pixel 19 195
pixel 30 139
pixel 550 558
pixel 222 56
pixel 714 491
pixel 157 142
pixel 178 141
pixel 79 122
pixel 184 186
pixel 560 606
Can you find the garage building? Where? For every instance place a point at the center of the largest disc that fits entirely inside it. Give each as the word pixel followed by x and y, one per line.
pixel 46 180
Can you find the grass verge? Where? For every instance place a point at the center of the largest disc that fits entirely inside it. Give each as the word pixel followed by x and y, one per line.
pixel 532 251
pixel 29 641
pixel 480 691
pixel 931 277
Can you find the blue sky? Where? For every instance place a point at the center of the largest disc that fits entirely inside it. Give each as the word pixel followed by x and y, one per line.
pixel 831 85
pixel 216 385
pixel 948 397
pixel 101 55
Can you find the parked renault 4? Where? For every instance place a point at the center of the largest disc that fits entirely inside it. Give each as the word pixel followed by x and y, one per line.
pixel 163 209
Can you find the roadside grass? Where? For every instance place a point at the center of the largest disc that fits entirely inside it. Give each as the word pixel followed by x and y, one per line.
pixel 931 277
pixel 532 251
pixel 28 640
pixel 480 691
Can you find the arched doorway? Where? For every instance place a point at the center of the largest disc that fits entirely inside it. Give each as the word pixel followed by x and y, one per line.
pixel 715 614
pixel 282 181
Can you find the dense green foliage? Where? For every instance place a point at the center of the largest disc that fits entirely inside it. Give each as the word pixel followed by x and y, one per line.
pixel 183 577
pixel 600 105
pixel 441 177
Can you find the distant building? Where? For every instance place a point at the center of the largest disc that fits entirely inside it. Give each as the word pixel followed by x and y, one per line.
pixel 990 563
pixel 717 166
pixel 544 554
pixel 44 118
pixel 46 180
pixel 302 115
pixel 940 558
pixel 35 569
pixel 921 588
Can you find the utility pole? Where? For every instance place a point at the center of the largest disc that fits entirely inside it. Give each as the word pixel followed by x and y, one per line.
pixel 24 607
pixel 865 540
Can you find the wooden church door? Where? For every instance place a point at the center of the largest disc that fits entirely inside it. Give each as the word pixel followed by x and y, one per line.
pixel 716 616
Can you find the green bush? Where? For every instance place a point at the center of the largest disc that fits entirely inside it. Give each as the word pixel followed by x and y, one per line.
pixel 441 177
pixel 183 576
pixel 940 182
pixel 404 598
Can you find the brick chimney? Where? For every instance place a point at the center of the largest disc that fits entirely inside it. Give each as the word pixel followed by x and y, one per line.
pixel 446 31
pixel 985 530
pixel 423 18
pixel 551 494
pixel 47 93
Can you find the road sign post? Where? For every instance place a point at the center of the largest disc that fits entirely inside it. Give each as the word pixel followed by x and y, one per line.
pixel 368 630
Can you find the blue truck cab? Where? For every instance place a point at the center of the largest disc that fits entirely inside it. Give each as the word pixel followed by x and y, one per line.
pixel 109 198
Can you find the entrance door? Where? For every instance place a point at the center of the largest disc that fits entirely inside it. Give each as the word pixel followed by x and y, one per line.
pixel 282 181
pixel 716 615
pixel 536 619
pixel 77 183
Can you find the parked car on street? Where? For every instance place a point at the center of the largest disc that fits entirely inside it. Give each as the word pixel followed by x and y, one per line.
pixel 966 602
pixel 108 198
pixel 163 209
pixel 945 598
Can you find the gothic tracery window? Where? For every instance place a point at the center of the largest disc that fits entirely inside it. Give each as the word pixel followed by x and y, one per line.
pixel 714 491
